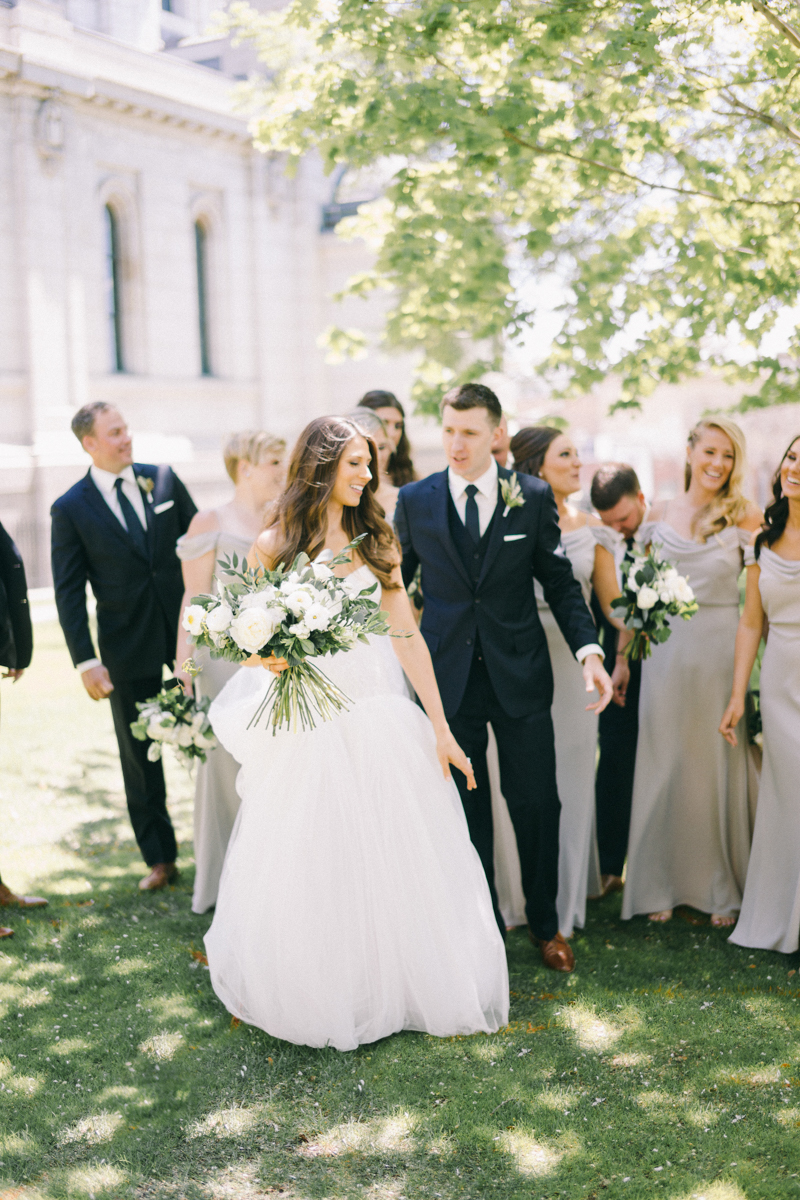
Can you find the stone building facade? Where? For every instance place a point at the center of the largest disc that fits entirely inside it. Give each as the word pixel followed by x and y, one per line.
pixel 149 256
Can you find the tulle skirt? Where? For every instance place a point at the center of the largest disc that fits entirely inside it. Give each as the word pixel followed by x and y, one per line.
pixel 352 903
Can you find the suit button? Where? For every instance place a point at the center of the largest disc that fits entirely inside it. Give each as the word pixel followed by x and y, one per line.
pixel 469 641
pixel 477 600
pixel 476 556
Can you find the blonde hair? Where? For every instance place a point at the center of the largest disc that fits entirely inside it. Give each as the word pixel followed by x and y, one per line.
pixel 729 505
pixel 251 446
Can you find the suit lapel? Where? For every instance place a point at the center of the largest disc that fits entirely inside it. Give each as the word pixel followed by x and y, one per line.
pixel 104 514
pixel 439 512
pixel 498 529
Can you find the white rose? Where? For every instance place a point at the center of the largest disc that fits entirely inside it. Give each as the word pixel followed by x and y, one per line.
pixel 670 575
pixel 156 730
pixel 153 752
pixel 253 627
pixel 317 616
pixel 184 735
pixel 321 571
pixel 258 599
pixel 205 741
pixel 193 619
pixel 300 630
pixel 647 597
pixel 218 620
pixel 683 593
pixel 299 600
pixel 291 583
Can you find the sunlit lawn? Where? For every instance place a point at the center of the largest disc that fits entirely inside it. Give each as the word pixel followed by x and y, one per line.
pixel 666 1065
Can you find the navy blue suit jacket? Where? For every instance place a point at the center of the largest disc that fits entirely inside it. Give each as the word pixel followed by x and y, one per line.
pixel 501 608
pixel 16 633
pixel 138 596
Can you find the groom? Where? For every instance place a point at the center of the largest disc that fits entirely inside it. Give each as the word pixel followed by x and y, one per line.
pixel 480 551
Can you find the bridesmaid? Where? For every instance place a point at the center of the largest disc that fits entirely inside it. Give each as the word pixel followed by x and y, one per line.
pixel 770 916
pixel 400 468
pixel 374 427
pixel 255 463
pixel 543 451
pixel 690 823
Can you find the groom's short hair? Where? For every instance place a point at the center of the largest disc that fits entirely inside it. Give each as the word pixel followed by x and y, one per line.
pixel 611 482
pixel 473 395
pixel 84 419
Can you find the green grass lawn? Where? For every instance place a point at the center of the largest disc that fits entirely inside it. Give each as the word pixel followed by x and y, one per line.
pixel 667 1065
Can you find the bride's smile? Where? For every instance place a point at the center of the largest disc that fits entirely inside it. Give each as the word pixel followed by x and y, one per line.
pixel 353 474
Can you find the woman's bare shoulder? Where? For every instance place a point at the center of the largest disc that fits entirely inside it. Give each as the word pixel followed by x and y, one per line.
pixel 205 521
pixel 265 545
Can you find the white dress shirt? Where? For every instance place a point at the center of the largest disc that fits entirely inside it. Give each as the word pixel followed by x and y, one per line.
pixel 105 482
pixel 486 497
pixel 486 500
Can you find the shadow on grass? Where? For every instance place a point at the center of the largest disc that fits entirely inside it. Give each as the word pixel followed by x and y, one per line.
pixel 669 1063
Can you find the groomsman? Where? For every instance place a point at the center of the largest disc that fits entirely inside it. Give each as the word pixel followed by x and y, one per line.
pixel 481 543
pixel 116 529
pixel 620 504
pixel 16 650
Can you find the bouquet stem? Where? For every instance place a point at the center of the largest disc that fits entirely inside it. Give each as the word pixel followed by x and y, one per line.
pixel 296 695
pixel 638 647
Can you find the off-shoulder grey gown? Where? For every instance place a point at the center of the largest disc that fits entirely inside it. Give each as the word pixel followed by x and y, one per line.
pixel 770 916
pixel 216 801
pixel 690 821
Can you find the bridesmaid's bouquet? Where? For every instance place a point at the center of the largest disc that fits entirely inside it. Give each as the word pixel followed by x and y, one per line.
pixel 174 719
pixel 653 591
pixel 297 613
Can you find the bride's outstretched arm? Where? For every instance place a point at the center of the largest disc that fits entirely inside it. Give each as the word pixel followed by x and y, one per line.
pixel 414 656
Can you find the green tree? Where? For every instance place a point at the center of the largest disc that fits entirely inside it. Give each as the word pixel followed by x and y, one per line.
pixel 643 151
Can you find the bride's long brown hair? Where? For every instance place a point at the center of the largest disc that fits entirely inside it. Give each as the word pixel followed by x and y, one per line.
pixel 300 516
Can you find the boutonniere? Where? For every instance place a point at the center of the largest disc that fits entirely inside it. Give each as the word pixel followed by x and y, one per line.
pixel 511 493
pixel 147 485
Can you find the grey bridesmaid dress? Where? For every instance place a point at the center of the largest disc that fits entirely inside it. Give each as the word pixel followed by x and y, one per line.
pixel 216 801
pixel 690 820
pixel 770 916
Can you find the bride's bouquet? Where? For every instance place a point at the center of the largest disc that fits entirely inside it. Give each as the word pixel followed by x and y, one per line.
pixel 174 719
pixel 297 613
pixel 653 591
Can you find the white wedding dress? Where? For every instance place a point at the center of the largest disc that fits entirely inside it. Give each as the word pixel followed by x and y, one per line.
pixel 352 903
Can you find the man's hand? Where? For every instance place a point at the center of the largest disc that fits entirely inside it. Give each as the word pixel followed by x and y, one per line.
pixel 14 673
pixel 620 678
pixel 97 682
pixel 595 676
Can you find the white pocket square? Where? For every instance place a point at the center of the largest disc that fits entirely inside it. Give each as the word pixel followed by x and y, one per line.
pixel 509 537
pixel 159 508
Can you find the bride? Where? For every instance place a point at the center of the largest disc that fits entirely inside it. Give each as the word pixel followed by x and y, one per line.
pixel 352 903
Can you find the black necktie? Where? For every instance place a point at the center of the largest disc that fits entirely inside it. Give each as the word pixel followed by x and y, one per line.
pixel 471 518
pixel 132 522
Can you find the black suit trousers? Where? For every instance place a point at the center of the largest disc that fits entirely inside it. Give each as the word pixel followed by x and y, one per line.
pixel 618 735
pixel 526 750
pixel 145 789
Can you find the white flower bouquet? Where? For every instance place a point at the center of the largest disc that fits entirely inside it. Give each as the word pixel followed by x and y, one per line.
pixel 653 591
pixel 299 614
pixel 174 719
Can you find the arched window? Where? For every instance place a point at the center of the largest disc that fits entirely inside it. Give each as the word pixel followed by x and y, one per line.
pixel 201 256
pixel 114 289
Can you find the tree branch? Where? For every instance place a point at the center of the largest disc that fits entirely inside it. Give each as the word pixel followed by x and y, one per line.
pixel 778 22
pixel 792 134
pixel 594 162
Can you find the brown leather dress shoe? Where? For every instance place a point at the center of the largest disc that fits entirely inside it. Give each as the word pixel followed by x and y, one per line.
pixel 8 899
pixel 5 931
pixel 556 954
pixel 160 875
